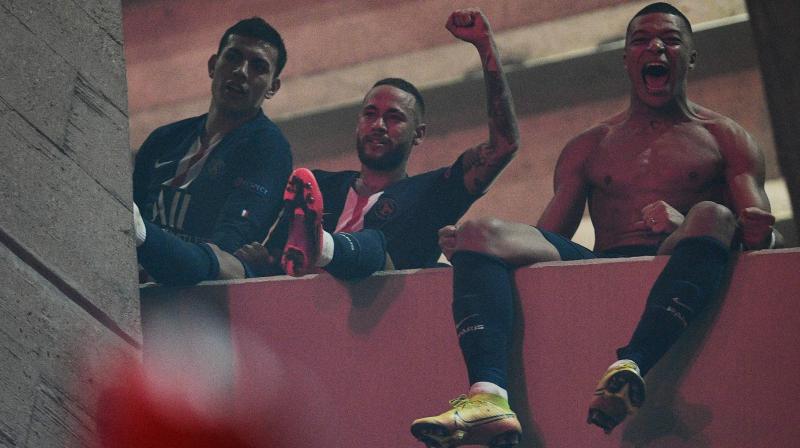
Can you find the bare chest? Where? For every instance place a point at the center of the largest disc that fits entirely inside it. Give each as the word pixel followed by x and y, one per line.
pixel 680 159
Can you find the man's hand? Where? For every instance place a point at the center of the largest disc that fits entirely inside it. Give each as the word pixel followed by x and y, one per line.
pixel 756 225
pixel 447 240
pixel 469 25
pixel 659 217
pixel 484 235
pixel 257 257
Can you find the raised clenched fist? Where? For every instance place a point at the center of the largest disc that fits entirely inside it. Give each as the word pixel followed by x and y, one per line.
pixel 469 25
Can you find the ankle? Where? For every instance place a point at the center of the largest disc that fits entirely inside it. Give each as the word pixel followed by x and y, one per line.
pixel 485 387
pixel 326 250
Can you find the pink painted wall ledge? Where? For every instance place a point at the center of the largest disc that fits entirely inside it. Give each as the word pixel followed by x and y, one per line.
pixel 352 364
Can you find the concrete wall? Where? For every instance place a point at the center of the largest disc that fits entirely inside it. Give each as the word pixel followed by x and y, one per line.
pixel 67 265
pixel 352 364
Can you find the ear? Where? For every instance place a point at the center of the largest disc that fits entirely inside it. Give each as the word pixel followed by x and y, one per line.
pixel 692 59
pixel 276 84
pixel 212 61
pixel 419 133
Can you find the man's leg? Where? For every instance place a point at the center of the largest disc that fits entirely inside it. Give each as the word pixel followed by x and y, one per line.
pixel 485 253
pixel 355 255
pixel 174 262
pixel 344 255
pixel 692 278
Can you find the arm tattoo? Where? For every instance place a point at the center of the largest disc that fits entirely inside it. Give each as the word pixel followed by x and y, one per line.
pixel 481 164
pixel 484 162
pixel 500 107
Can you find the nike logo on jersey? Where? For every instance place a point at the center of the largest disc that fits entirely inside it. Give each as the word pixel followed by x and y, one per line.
pixel 159 164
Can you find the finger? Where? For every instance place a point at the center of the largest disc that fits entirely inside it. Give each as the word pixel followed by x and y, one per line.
pixel 751 225
pixel 756 228
pixel 449 25
pixel 757 213
pixel 447 231
pixel 761 218
pixel 463 19
pixel 640 225
pixel 449 241
pixel 447 253
pixel 649 208
pixel 659 227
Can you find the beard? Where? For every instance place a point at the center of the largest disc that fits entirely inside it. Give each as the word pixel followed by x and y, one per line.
pixel 388 161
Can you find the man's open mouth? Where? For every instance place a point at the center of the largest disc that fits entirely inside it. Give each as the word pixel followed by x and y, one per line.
pixel 656 76
pixel 378 141
pixel 234 88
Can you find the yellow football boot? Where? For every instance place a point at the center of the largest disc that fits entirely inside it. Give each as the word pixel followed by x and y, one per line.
pixel 619 393
pixel 483 419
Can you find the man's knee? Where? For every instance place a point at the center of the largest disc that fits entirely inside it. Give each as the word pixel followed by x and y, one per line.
pixel 708 218
pixel 481 234
pixel 514 243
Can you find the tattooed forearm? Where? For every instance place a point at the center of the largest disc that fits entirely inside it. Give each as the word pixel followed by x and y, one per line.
pixel 483 156
pixel 484 162
pixel 500 106
pixel 481 165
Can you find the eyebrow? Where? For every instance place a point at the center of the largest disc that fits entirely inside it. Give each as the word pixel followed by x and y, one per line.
pixel 669 32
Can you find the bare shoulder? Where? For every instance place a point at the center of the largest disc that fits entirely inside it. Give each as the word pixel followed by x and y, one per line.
pixel 730 135
pixel 572 162
pixel 736 145
pixel 590 138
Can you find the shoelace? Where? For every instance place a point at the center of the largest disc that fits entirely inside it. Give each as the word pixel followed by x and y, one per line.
pixel 459 402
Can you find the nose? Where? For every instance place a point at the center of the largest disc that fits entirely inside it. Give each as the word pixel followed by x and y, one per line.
pixel 241 69
pixel 656 45
pixel 378 123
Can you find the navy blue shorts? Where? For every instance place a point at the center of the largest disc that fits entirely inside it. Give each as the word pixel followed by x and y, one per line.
pixel 569 250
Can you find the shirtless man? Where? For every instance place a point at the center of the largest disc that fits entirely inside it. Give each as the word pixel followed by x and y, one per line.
pixel 664 177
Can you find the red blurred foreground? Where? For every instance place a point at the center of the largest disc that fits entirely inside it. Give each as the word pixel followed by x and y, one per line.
pixel 132 414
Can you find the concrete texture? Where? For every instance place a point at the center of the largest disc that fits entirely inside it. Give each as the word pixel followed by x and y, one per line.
pixel 68 296
pixel 64 168
pixel 52 353
pixel 354 363
pixel 779 53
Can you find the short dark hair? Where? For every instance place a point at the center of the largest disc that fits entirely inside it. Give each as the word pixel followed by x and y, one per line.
pixel 405 86
pixel 258 28
pixel 662 7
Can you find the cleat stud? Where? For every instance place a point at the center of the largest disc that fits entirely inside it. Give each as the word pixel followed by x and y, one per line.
pixel 506 440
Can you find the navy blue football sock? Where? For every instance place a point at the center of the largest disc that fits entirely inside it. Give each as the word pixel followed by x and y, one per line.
pixel 358 254
pixel 483 299
pixel 691 279
pixel 174 262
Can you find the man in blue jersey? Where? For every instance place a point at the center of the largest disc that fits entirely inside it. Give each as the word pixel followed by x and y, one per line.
pixel 209 184
pixel 379 210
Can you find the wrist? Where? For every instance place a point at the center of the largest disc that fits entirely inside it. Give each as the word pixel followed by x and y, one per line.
pixel 771 244
pixel 767 243
pixel 485 45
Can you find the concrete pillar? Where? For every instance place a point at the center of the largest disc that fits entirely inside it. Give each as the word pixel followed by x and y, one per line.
pixel 67 266
pixel 778 41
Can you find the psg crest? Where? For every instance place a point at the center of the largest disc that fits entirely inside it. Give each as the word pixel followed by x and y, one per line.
pixel 385 208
